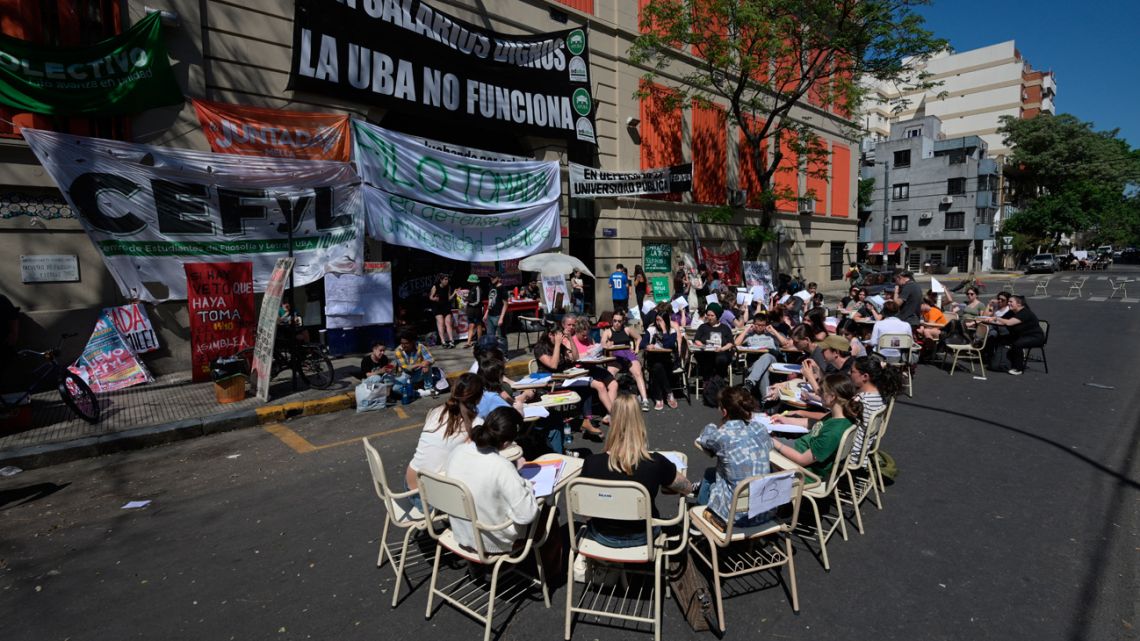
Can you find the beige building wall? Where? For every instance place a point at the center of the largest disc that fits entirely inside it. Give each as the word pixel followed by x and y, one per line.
pixel 240 53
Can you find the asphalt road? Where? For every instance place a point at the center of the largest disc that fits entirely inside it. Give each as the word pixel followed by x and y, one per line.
pixel 1015 516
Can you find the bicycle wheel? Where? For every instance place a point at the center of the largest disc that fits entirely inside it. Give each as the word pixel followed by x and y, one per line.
pixel 79 397
pixel 316 367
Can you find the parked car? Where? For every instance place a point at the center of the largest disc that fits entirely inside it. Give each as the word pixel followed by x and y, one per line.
pixel 1042 263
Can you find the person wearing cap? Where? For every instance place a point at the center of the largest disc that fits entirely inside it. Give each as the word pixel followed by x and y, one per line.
pixel 496 310
pixel 474 310
pixel 715 340
pixel 837 354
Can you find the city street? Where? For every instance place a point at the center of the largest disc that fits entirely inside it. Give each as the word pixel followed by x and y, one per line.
pixel 1015 515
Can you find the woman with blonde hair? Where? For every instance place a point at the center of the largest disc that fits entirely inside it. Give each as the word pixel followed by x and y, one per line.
pixel 627 458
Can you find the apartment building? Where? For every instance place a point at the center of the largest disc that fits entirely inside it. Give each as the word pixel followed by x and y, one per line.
pixel 240 53
pixel 939 200
pixel 977 87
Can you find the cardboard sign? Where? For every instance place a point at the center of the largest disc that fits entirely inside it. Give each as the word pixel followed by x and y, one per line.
pixel 267 326
pixel 134 326
pixel 107 363
pixel 220 304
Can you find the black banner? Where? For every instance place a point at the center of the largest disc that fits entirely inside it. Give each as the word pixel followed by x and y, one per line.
pixel 407 56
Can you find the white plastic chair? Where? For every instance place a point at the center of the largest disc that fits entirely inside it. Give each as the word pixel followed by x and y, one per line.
pixel 401 513
pixel 860 469
pixel 969 353
pixel 737 551
pixel 625 501
pixel 819 489
pixel 1118 287
pixel 442 495
pixel 873 452
pixel 1042 287
pixel 1078 286
pixel 904 345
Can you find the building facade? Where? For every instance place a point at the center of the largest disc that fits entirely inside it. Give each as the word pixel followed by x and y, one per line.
pixel 976 88
pixel 937 196
pixel 240 53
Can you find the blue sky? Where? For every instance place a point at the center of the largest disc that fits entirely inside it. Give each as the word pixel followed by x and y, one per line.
pixel 1093 47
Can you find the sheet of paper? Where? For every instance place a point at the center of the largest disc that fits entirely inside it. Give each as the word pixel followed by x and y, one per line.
pixel 675 458
pixel 542 476
pixel 712 298
pixel 647 305
pixel 576 382
pixel 535 411
pixel 679 303
pixel 135 505
pixel 783 428
pixel 743 298
pixel 769 492
pixel 877 301
pixel 936 286
pixel 537 377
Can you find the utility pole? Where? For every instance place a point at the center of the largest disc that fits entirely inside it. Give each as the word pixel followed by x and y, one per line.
pixel 886 207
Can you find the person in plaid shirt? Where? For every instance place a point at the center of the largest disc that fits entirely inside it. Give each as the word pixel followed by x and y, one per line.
pixel 415 361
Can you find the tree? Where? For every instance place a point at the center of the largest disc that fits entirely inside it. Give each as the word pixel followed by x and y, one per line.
pixel 763 58
pixel 1065 177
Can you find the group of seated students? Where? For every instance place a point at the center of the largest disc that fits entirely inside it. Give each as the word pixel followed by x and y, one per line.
pixel 465 437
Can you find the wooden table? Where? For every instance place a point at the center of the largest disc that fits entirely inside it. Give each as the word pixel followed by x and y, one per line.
pixel 553 399
pixel 602 360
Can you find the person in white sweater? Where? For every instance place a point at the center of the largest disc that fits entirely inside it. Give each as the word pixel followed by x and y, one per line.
pixel 499 493
pixel 446 428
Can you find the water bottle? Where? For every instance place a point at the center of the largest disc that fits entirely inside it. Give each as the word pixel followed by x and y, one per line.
pixel 567 436
pixel 406 391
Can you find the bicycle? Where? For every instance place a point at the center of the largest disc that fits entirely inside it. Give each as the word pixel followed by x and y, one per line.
pixel 309 360
pixel 74 391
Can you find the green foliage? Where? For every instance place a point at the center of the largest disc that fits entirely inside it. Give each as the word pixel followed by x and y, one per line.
pixel 1065 178
pixel 866 193
pixel 762 58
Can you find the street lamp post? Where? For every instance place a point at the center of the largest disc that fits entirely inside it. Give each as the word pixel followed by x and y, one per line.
pixel 886 206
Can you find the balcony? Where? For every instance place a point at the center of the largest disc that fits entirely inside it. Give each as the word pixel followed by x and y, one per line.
pixel 1047 105
pixel 985 200
pixel 988 166
pixel 983 232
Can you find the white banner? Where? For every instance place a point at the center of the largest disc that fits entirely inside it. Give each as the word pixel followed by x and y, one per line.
pixel 404 165
pixel 588 182
pixel 149 209
pixel 462 236
pixel 355 301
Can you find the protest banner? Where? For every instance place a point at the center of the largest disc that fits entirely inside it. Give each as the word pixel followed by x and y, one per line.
pixel 403 165
pixel 658 258
pixel 262 369
pixel 149 209
pixel 107 363
pixel 126 74
pixel 757 273
pixel 588 182
pixel 256 131
pixel 220 305
pixel 463 236
pixel 660 285
pixel 134 326
pixel 552 286
pixel 413 58
pixel 727 265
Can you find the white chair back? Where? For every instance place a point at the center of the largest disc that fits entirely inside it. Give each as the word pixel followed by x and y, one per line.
pixel 379 479
pixel 842 455
pixel 779 488
pixel 871 433
pixel 614 500
pixel 451 497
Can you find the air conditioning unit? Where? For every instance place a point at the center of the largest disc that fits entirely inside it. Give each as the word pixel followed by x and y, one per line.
pixel 737 197
pixel 807 206
pixel 926 215
pixel 947 200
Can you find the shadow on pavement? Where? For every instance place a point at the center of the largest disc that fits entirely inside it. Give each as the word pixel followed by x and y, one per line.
pixel 28 494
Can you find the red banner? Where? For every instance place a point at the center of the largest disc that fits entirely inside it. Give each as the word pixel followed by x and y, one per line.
pixel 220 303
pixel 727 265
pixel 256 131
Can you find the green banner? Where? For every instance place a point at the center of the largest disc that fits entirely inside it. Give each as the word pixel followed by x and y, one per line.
pixel 122 75
pixel 658 258
pixel 660 285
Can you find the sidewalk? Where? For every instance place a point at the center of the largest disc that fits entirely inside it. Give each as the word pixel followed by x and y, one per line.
pixel 174 408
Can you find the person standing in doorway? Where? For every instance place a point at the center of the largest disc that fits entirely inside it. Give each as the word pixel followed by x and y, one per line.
pixel 640 285
pixel 619 286
pixel 440 298
pixel 578 291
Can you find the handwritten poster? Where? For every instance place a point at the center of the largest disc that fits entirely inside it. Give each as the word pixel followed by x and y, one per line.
pixel 355 301
pixel 267 326
pixel 107 363
pixel 220 303
pixel 134 326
